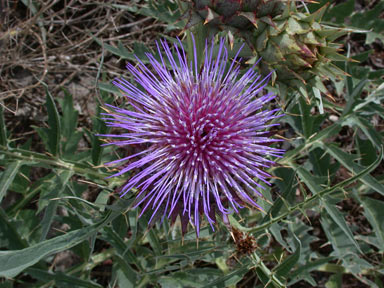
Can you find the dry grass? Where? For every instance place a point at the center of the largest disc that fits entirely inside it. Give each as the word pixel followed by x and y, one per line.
pixel 53 42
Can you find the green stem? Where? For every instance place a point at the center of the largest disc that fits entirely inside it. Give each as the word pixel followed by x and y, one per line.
pixel 29 156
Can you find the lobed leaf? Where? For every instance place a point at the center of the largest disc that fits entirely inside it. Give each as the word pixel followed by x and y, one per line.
pixel 347 162
pixel 8 175
pixel 54 131
pixel 15 261
pixel 60 183
pixel 373 210
pixel 285 267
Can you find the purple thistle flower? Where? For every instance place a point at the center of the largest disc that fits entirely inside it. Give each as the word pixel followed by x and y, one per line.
pixel 201 132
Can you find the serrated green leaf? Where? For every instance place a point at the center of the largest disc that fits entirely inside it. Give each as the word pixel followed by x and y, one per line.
pixel 328 204
pixel 306 118
pixel 30 193
pixel 285 267
pixel 71 137
pixel 326 133
pixel 108 87
pixel 311 181
pixel 61 279
pixel 336 215
pixel 348 80
pixel 120 51
pixel 339 12
pixel 189 251
pixel 304 270
pixel 139 51
pixel 70 115
pixel 317 94
pixel 130 7
pixel 370 20
pixel 190 278
pixel 15 261
pixel 9 238
pixel 120 225
pixel 133 225
pixel 321 163
pixel 287 195
pixel 178 280
pixel 124 279
pixel 317 138
pixel 99 128
pixel 231 278
pixel 54 131
pixel 8 175
pixel 21 182
pixel 353 95
pixel 129 276
pixel 102 199
pixel 372 36
pixel 346 160
pixel 123 251
pixel 305 234
pixel 276 230
pixel 344 248
pixel 165 11
pixel 356 264
pixel 341 245
pixel 60 183
pixel 373 210
pixel 300 206
pixel 368 130
pixel 154 241
pixel 375 97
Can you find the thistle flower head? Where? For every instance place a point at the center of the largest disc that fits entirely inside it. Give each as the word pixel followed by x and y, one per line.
pixel 201 132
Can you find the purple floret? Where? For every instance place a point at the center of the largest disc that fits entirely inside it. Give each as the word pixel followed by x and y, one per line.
pixel 201 132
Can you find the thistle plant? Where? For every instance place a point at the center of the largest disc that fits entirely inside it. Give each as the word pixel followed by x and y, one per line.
pixel 295 45
pixel 202 132
pixel 192 144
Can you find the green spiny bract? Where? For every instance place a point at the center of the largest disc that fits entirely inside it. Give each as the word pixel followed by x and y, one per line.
pixel 296 46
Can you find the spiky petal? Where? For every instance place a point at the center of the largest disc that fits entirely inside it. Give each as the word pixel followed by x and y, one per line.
pixel 201 132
